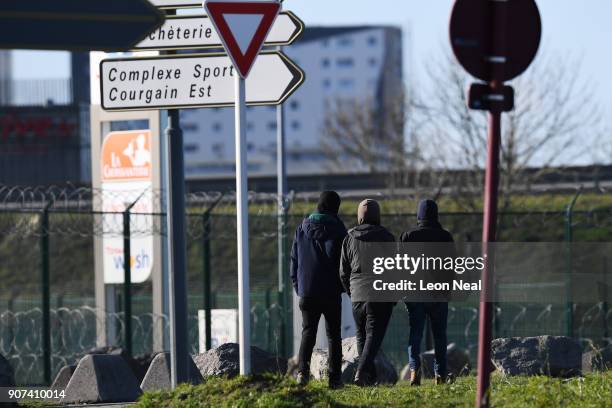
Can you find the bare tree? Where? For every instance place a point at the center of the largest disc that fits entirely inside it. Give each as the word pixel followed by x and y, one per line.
pixel 372 135
pixel 555 121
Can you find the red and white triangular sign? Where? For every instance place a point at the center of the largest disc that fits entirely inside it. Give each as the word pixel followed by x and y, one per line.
pixel 243 27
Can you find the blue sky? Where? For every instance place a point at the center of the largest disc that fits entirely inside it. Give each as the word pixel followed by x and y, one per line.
pixel 579 28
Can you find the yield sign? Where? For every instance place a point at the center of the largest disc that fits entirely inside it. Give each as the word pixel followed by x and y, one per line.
pixel 243 27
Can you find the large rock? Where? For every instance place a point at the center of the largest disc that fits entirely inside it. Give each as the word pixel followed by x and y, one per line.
pixel 457 363
pixel 102 378
pixel 224 361
pixel 63 377
pixel 7 377
pixel 556 356
pixel 385 371
pixel 597 359
pixel 139 364
pixel 158 375
pixel 292 366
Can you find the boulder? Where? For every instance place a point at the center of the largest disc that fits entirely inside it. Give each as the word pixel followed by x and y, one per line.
pixel 101 378
pixel 556 356
pixel 597 359
pixel 63 377
pixel 405 373
pixel 457 361
pixel 7 376
pixel 158 374
pixel 138 364
pixel 385 371
pixel 292 366
pixel 224 361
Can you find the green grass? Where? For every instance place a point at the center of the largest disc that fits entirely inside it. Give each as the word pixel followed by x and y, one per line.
pixel 275 392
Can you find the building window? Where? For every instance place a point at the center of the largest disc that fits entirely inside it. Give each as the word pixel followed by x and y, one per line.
pixel 373 62
pixel 326 84
pixel 294 105
pixel 325 43
pixel 190 127
pixel 272 125
pixel 250 126
pixel 217 127
pixel 217 148
pixel 345 42
pixel 345 62
pixel 295 125
pixel 346 83
pixel 191 148
pixel 372 41
pixel 250 147
pixel 325 63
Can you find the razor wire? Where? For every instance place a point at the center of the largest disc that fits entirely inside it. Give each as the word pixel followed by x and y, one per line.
pixel 74 331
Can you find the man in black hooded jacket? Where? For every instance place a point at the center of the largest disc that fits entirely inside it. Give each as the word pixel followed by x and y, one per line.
pixel 428 229
pixel 371 318
pixel 315 259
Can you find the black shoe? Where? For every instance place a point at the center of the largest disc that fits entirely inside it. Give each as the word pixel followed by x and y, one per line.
pixel 363 380
pixel 335 383
pixel 302 379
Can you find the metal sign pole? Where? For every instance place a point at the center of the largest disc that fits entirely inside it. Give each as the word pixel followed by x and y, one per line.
pixel 242 226
pixel 179 355
pixel 488 235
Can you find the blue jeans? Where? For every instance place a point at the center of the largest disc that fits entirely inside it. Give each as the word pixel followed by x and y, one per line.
pixel 438 315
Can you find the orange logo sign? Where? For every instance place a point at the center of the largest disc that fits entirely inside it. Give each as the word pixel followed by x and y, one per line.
pixel 127 156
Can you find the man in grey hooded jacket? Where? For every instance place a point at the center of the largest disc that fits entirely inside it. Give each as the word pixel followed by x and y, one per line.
pixel 371 318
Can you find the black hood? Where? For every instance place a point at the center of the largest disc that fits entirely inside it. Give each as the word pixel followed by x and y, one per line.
pixel 427 214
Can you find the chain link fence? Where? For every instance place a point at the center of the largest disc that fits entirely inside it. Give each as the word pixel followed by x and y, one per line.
pixel 50 232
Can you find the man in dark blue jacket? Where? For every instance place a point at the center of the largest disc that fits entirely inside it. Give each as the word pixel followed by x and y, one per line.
pixel 428 229
pixel 315 260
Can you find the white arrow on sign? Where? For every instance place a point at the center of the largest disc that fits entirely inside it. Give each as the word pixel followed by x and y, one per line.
pixel 175 3
pixel 194 81
pixel 188 32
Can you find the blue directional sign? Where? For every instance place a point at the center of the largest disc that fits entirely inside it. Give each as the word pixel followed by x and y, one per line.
pixel 76 25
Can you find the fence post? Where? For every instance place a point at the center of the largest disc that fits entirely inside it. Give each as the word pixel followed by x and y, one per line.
pixel 127 276
pixel 127 282
pixel 46 293
pixel 604 305
pixel 206 271
pixel 569 237
pixel 283 281
pixel 206 275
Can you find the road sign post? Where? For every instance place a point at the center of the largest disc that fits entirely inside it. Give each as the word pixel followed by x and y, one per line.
pixel 243 27
pixel 197 32
pixel 494 41
pixel 194 81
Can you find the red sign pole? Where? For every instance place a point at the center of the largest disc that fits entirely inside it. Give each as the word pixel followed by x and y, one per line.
pixel 485 324
pixel 498 60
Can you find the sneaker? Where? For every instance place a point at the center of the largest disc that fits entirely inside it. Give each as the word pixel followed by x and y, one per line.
pixel 415 378
pixel 441 379
pixel 363 380
pixel 302 379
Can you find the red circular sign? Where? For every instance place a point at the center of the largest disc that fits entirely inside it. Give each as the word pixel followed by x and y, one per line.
pixel 495 40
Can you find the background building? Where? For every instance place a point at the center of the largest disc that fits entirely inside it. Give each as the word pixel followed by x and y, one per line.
pixel 353 62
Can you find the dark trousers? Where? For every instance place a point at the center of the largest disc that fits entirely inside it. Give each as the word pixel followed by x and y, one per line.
pixel 371 319
pixel 438 315
pixel 312 309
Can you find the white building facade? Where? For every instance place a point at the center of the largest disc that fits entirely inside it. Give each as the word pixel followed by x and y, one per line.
pixel 354 62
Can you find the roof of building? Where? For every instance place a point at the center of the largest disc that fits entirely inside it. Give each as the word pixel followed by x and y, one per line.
pixel 316 33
